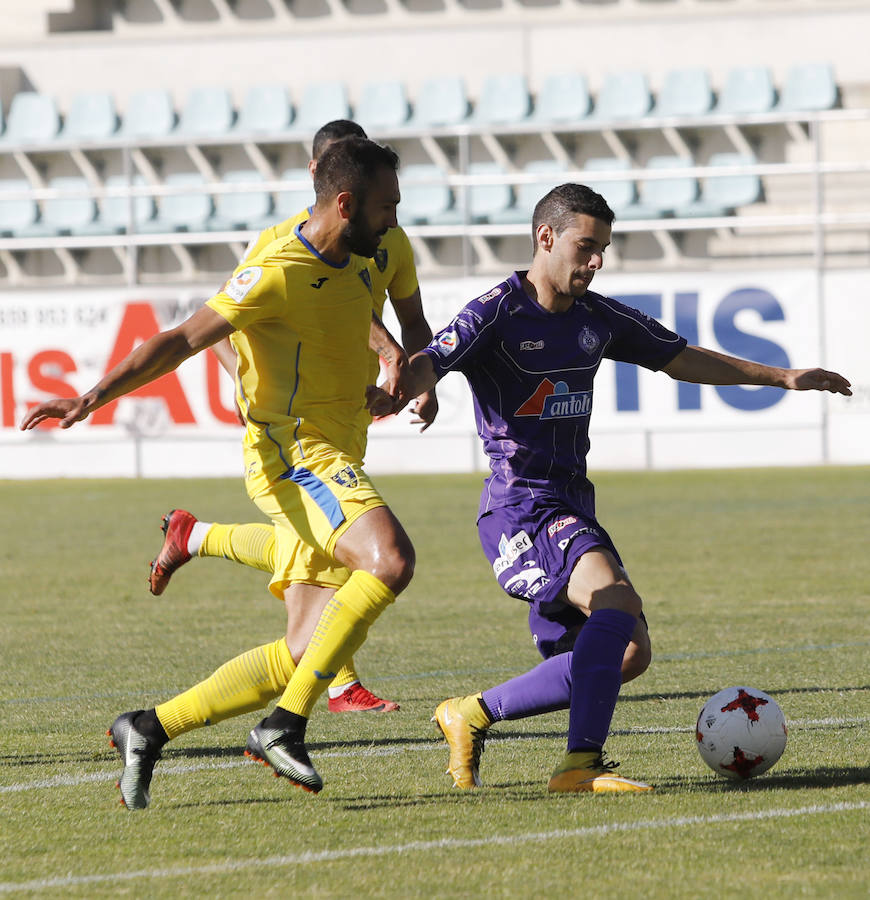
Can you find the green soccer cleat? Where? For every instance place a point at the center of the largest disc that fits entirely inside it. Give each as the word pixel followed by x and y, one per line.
pixel 465 742
pixel 139 754
pixel 591 772
pixel 285 754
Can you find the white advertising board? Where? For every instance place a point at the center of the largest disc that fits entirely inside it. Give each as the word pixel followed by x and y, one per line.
pixel 61 343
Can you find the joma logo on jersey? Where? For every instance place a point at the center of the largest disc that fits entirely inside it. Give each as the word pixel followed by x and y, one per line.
pixel 555 401
pixel 346 477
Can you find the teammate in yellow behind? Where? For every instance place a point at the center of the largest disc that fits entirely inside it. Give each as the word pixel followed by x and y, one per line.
pixel 393 273
pixel 301 320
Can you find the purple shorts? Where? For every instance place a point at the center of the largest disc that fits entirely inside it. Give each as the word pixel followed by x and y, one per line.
pixel 533 552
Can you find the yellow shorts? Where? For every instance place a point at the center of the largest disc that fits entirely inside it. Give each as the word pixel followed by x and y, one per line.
pixel 312 503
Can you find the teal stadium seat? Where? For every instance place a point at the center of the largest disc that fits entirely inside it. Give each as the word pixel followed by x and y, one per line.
pixel 747 89
pixel 685 92
pixel 33 119
pixel 441 101
pixel 623 95
pixel 504 100
pixel 91 117
pixel 64 215
pixel 292 200
pixel 113 213
pixel 528 194
pixel 186 211
pixel 426 203
pixel 488 200
pixel 661 196
pixel 383 105
pixel 208 111
pixel 244 210
pixel 809 86
pixel 149 114
pixel 620 194
pixel 16 214
pixel 265 108
pixel 321 102
pixel 563 97
pixel 721 196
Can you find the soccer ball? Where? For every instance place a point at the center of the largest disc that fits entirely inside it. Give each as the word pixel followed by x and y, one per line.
pixel 741 732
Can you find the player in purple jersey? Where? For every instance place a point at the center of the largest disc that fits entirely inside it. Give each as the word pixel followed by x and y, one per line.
pixel 530 349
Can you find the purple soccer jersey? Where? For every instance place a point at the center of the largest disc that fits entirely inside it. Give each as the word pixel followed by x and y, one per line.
pixel 531 374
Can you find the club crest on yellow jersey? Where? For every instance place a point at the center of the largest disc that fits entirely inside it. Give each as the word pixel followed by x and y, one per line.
pixel 346 477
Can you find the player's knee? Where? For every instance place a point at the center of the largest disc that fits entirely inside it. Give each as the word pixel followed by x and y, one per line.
pixel 620 596
pixel 636 661
pixel 395 565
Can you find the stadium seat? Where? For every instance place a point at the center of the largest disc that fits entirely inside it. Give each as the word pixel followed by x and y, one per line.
pixel 747 89
pixel 441 101
pixel 292 200
pixel 113 213
pixel 485 200
pixel 265 108
pixel 620 195
pixel 321 102
pixel 91 117
pixel 207 111
pixel 382 105
pixel 527 194
pixel 149 114
pixel 685 92
pixel 429 203
pixel 240 211
pixel 660 196
pixel 809 86
pixel 623 95
pixel 504 99
pixel 189 211
pixel 563 97
pixel 720 196
pixel 16 214
pixel 33 119
pixel 64 215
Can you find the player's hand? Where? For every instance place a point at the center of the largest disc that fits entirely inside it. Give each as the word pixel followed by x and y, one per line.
pixel 397 376
pixel 424 410
pixel 378 402
pixel 68 410
pixel 819 380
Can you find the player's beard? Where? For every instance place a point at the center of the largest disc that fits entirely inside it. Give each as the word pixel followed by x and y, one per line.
pixel 361 239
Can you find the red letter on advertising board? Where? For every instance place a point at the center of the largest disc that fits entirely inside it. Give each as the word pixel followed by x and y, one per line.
pixel 139 324
pixel 7 391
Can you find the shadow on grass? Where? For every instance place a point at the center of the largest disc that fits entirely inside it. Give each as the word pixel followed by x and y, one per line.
pixel 707 693
pixel 789 779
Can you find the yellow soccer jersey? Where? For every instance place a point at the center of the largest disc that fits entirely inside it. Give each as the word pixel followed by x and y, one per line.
pixel 302 342
pixel 392 268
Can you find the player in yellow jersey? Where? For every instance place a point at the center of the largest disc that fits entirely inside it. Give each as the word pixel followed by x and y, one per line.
pixel 299 315
pixel 393 273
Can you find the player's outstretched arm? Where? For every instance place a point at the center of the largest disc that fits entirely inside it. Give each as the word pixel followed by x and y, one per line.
pixel 416 335
pixel 702 366
pixel 157 356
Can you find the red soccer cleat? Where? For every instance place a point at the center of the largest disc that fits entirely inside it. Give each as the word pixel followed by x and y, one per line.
pixel 177 526
pixel 359 699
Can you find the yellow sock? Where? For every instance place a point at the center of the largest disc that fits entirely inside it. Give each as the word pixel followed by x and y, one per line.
pixel 345 675
pixel 342 628
pixel 245 683
pixel 252 544
pixel 472 711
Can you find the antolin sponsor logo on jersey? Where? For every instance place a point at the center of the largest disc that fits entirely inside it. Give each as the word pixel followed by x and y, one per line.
pixel 555 401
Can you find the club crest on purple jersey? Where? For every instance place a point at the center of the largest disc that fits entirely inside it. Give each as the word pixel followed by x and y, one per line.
pixel 589 340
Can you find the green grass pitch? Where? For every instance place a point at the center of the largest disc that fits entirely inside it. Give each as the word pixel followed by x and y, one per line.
pixel 758 577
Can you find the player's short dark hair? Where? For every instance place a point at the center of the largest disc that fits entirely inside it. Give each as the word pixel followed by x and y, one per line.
pixel 334 131
pixel 350 165
pixel 559 207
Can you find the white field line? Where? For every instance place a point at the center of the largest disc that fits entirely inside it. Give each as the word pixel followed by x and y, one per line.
pixel 186 768
pixel 331 856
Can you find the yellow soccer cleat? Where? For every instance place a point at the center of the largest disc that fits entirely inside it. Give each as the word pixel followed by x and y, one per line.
pixel 590 771
pixel 465 742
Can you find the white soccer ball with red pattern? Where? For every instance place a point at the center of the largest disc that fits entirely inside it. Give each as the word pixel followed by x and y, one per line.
pixel 741 732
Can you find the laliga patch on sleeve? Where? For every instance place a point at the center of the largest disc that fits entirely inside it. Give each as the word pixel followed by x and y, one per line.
pixel 446 343
pixel 239 286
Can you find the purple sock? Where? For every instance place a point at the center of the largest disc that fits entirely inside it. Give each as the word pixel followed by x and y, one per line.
pixel 543 689
pixel 596 667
